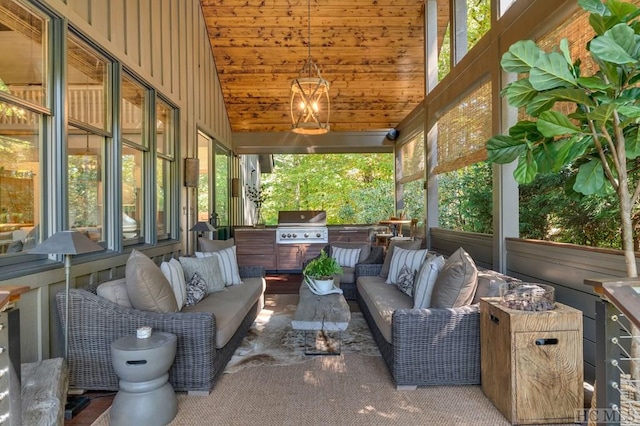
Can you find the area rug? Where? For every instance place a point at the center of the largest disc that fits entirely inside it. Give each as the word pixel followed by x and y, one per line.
pixel 272 341
pixel 350 389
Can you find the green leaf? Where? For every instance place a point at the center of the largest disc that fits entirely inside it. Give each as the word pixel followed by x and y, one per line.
pixel 594 6
pixel 543 102
pixel 629 111
pixel 504 149
pixel 545 157
pixel 572 95
pixel 579 146
pixel 526 169
pixel 602 113
pixel 520 93
pixel 593 83
pixel 525 130
pixel 551 71
pixel 612 46
pixel 564 48
pixel 590 179
pixel 621 9
pixel 520 57
pixel 632 144
pixel 553 123
pixel 562 149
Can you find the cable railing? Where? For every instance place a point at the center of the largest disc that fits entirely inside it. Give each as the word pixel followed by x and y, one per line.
pixel 617 389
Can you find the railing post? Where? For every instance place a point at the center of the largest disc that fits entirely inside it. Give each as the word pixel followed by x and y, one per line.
pixel 607 358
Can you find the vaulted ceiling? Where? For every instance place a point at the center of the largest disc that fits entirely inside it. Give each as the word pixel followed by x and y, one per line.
pixel 371 52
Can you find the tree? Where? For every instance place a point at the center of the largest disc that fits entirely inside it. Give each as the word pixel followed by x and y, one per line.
pixel 600 138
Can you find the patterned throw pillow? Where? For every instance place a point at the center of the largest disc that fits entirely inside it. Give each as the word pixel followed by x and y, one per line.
pixel 346 257
pixel 405 281
pixel 196 289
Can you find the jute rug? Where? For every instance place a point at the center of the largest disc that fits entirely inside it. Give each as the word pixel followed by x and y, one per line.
pixel 284 387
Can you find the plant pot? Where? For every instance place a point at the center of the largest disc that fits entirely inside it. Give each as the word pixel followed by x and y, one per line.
pixel 323 285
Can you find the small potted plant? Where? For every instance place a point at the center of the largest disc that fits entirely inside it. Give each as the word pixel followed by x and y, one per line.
pixel 321 271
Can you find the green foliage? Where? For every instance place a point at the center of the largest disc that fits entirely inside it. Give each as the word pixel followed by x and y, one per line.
pixel 352 188
pixel 599 137
pixel 322 267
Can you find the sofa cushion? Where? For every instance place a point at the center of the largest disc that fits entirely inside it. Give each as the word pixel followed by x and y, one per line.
pixel 230 307
pixel 228 264
pixel 426 280
pixel 115 291
pixel 174 273
pixel 147 287
pixel 348 275
pixel 346 257
pixel 409 245
pixel 208 268
pixel 207 244
pixel 456 283
pixel 382 300
pixel 488 285
pixel 401 257
pixel 196 290
pixel 365 249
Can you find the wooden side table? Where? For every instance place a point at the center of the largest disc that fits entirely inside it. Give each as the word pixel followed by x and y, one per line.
pixel 531 362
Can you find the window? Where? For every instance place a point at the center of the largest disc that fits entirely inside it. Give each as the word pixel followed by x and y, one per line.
pixel 87 99
pixel 23 111
pixel 204 154
pixel 135 147
pixel 222 191
pixel 410 179
pixel 165 167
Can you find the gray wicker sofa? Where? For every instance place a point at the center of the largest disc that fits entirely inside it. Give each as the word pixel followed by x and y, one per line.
pixel 96 322
pixel 424 347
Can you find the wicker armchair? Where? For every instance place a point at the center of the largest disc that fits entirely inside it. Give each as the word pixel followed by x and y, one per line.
pixel 429 346
pixel 350 276
pixel 96 323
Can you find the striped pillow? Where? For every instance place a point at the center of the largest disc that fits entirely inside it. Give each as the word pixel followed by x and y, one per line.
pixel 412 258
pixel 228 265
pixel 346 257
pixel 175 274
pixel 426 280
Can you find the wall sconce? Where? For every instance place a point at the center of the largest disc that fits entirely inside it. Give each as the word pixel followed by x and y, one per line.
pixel 235 187
pixel 191 171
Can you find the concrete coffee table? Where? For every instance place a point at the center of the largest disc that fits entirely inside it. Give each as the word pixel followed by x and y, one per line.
pixel 328 313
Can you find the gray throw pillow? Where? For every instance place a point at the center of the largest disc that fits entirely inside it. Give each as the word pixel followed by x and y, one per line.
pixel 207 244
pixel 208 268
pixel 409 245
pixel 148 288
pixel 456 283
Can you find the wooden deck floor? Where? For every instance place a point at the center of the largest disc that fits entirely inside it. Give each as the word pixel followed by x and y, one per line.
pixel 100 401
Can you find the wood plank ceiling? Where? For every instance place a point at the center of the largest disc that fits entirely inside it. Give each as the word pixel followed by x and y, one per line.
pixel 371 52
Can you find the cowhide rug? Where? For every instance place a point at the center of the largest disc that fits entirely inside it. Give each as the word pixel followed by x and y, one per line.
pixel 272 341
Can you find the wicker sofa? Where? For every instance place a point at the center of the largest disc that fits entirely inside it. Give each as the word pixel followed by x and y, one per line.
pixel 424 347
pixel 96 322
pixel 370 255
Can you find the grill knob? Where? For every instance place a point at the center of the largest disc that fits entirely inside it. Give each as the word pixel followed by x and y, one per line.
pixel 306 235
pixel 284 235
pixel 295 235
pixel 288 235
pixel 318 235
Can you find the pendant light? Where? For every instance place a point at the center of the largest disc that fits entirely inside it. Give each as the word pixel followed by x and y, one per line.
pixel 310 106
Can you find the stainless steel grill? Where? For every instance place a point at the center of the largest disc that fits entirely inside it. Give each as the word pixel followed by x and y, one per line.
pixel 302 226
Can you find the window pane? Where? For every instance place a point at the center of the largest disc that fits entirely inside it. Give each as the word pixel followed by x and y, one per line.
pixel 86 195
pixel 132 193
pixel 20 179
pixel 134 113
pixel 163 168
pixel 87 73
pixel 411 157
pixel 24 34
pixel 203 177
pixel 164 129
pixel 478 20
pixel 444 53
pixel 222 194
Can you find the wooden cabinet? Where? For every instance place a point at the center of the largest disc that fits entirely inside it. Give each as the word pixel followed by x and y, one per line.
pixel 256 247
pixel 292 256
pixel 531 362
pixel 360 235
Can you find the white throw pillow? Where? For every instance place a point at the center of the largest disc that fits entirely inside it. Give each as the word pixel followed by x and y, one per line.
pixel 425 281
pixel 412 258
pixel 346 257
pixel 175 274
pixel 228 264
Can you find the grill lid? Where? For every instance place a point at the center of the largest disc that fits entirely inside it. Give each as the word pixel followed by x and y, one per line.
pixel 302 218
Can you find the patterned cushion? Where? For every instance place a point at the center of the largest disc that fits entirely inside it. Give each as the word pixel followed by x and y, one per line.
pixel 209 270
pixel 406 279
pixel 425 281
pixel 175 274
pixel 147 287
pixel 411 258
pixel 196 290
pixel 456 283
pixel 346 257
pixel 228 264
